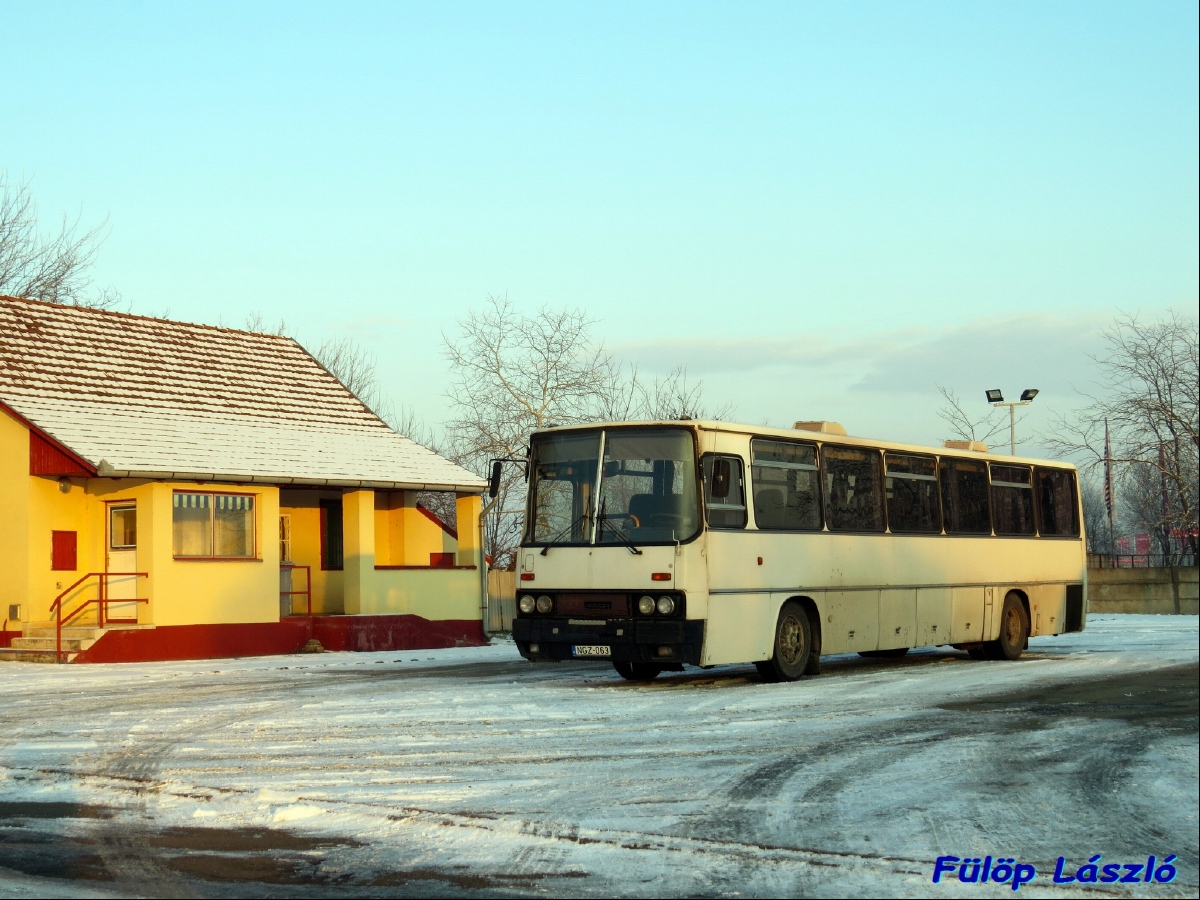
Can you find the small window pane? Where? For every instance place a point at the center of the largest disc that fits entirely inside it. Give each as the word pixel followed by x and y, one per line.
pixel 122 533
pixel 1057 502
pixel 853 489
pixel 786 486
pixel 965 496
pixel 1012 500
pixel 912 494
pixel 233 526
pixel 728 511
pixel 192 521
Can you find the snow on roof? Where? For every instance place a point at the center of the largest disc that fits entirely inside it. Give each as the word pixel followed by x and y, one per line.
pixel 141 397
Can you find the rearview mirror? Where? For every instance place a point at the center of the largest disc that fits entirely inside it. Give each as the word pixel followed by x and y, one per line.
pixel 494 481
pixel 721 474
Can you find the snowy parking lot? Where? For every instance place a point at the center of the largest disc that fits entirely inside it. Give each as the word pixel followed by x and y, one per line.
pixel 470 772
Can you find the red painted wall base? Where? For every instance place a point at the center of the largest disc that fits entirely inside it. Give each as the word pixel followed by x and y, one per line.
pixel 363 633
pixel 6 638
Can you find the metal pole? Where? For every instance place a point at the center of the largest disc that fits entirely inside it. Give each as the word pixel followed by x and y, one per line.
pixel 1012 429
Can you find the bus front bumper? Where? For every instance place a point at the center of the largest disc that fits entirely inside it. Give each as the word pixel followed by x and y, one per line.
pixel 663 642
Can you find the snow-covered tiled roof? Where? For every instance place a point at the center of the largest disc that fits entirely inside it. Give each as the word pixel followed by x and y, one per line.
pixel 141 397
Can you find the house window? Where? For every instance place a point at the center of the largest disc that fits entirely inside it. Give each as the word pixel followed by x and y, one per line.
pixel 331 534
pixel 63 553
pixel 213 526
pixel 285 539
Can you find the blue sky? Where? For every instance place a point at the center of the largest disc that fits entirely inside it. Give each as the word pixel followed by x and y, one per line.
pixel 823 210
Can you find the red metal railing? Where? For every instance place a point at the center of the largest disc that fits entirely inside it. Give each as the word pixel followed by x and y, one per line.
pixel 306 593
pixel 101 602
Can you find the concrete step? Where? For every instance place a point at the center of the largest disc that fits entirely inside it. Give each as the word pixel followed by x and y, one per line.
pixel 44 643
pixel 32 656
pixel 74 632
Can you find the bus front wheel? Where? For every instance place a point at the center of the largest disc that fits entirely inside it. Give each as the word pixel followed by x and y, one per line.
pixel 1014 630
pixel 637 671
pixel 793 646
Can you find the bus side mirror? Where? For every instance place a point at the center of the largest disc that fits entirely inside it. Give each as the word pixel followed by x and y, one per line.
pixel 721 473
pixel 494 481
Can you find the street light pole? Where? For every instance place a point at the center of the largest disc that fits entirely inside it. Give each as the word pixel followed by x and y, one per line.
pixel 997 399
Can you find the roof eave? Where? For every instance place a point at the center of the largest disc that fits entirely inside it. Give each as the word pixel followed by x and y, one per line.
pixel 105 470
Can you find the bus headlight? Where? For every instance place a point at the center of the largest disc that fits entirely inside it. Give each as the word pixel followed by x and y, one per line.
pixel 666 606
pixel 526 604
pixel 646 606
pixel 544 604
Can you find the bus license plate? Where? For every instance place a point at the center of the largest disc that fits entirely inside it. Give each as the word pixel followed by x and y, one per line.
pixel 591 650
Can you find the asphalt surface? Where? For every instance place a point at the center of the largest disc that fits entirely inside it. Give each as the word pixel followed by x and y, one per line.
pixel 702 783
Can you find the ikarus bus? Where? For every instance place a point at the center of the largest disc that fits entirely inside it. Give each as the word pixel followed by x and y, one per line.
pixel 656 545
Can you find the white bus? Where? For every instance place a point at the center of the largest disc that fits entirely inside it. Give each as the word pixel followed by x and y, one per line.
pixel 660 544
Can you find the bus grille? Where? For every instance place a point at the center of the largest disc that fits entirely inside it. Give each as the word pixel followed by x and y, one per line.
pixel 595 606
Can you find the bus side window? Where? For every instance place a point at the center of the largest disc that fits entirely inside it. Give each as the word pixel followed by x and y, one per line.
pixel 965 496
pixel 853 488
pixel 728 511
pixel 1056 502
pixel 912 494
pixel 1012 500
pixel 786 485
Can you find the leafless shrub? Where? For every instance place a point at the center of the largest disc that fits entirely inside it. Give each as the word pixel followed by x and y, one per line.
pixel 1149 404
pixel 354 366
pixel 255 321
pixel 54 267
pixel 965 427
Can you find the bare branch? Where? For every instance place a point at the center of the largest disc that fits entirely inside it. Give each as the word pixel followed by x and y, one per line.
pixel 514 373
pixel 965 428
pixel 1151 412
pixel 54 267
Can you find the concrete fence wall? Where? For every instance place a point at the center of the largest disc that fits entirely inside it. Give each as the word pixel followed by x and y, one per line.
pixel 502 601
pixel 1162 591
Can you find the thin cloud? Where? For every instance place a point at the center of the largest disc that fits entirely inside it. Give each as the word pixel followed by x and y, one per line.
pixel 1036 350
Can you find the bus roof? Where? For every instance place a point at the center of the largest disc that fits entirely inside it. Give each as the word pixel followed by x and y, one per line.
pixel 822 436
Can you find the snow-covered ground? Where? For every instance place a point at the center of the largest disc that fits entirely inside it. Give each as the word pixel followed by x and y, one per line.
pixel 470 772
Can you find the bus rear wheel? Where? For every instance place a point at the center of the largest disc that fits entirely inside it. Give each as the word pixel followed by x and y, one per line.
pixel 637 671
pixel 793 646
pixel 1014 630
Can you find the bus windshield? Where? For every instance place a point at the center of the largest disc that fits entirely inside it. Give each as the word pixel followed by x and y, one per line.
pixel 613 486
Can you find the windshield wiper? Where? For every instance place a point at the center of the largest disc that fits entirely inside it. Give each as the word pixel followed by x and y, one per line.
pixel 581 517
pixel 621 535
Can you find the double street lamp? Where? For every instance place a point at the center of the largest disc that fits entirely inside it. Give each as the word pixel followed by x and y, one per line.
pixel 997 399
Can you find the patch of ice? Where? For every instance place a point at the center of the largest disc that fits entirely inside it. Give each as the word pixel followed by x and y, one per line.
pixel 296 811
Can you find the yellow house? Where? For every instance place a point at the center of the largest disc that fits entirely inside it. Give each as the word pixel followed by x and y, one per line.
pixel 178 491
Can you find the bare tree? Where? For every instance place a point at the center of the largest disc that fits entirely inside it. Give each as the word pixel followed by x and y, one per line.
pixel 55 266
pixel 1150 405
pixel 515 373
pixel 1095 517
pixel 965 427
pixel 625 396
